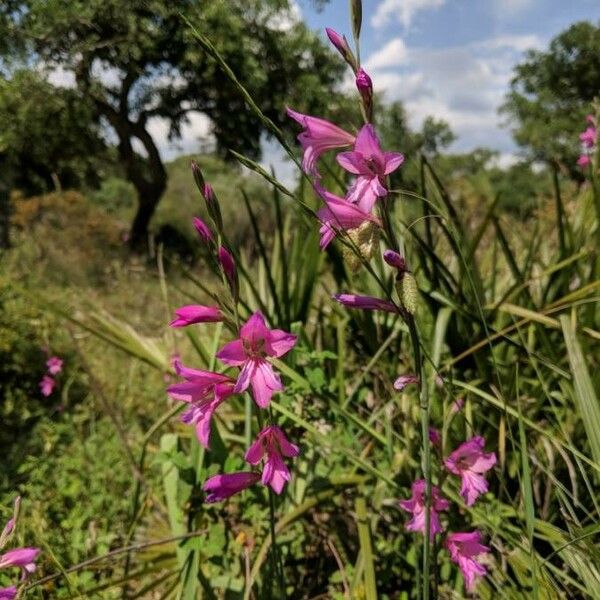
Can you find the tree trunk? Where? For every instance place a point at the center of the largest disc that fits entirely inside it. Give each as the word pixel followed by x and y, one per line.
pixel 148 200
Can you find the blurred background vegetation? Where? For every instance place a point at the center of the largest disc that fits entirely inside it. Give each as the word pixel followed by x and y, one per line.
pixel 98 247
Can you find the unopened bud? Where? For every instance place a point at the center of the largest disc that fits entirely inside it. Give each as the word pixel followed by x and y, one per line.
pixel 229 270
pixel 394 259
pixel 365 239
pixel 203 230
pixel 341 45
pixel 365 89
pixel 212 204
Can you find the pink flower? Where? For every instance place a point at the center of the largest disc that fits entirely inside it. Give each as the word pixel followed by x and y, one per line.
pixel 416 506
pixel 196 313
pixel 46 385
pixel 222 486
pixel 363 81
pixel 588 137
pixel 365 302
pixel 54 365
pixel 10 524
pixel 203 391
pixel 435 436
pixel 20 557
pixel 255 344
pixel 395 260
pixel 405 380
pixel 469 461
pixel 584 160
pixel 457 405
pixel 371 165
pixel 317 137
pixel 8 593
pixel 272 444
pixel 339 214
pixel 463 547
pixel 203 230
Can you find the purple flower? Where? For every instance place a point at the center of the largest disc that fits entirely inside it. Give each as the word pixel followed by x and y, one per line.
pixel 339 42
pixel 416 506
pixel 46 385
pixel 203 230
pixel 405 380
pixel 20 557
pixel 196 313
pixel 363 81
pixel 371 165
pixel 434 436
pixel 54 365
pixel 255 344
pixel 469 461
pixel 273 445
pixel 395 260
pixel 317 137
pixel 222 486
pixel 8 593
pixel 203 391
pixel 339 214
pixel 463 547
pixel 365 302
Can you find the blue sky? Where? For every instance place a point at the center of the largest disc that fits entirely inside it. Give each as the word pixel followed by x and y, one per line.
pixel 452 59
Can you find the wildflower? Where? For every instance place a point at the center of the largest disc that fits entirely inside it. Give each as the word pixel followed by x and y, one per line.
pixel 365 89
pixel 469 461
pixel 341 45
pixel 435 437
pixel 222 486
pixel 416 506
pixel 463 547
pixel 588 137
pixel 8 593
pixel 405 380
pixel 584 160
pixel 365 302
pixel 204 391
pixel 255 344
pixel 318 136
pixel 54 365
pixel 203 230
pixel 10 524
pixel 228 265
pixel 339 214
pixel 396 260
pixel 46 385
pixel 20 557
pixel 272 444
pixel 371 165
pixel 196 313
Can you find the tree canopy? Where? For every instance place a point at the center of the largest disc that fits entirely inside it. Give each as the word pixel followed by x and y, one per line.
pixel 135 60
pixel 552 91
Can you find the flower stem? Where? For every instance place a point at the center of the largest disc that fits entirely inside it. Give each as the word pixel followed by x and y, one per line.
pixel 425 451
pixel 275 554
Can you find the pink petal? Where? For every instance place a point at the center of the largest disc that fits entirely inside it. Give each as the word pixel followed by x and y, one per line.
pixel 367 143
pixel 256 451
pixel 246 376
pixel 264 383
pixel 392 161
pixel 254 329
pixel 222 486
pixel 232 354
pixel 353 162
pixel 280 342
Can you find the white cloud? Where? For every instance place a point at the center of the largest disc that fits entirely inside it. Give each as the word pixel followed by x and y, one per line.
pixel 518 43
pixel 402 11
pixel 194 134
pixel 511 8
pixel 393 54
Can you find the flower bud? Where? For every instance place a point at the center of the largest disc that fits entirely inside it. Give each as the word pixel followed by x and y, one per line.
pixel 365 88
pixel 229 270
pixel 203 230
pixel 396 260
pixel 212 204
pixel 341 45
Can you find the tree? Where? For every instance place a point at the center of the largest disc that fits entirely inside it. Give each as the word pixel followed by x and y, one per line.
pixel 550 94
pixel 135 60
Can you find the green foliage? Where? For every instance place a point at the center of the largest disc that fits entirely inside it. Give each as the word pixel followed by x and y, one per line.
pixel 551 93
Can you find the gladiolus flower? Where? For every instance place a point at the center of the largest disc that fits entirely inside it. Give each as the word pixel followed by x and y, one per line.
pixel 588 137
pixel 196 313
pixel 203 230
pixel 463 547
pixel 339 214
pixel 8 593
pixel 416 506
pixel 584 160
pixel 222 486
pixel 46 385
pixel 54 365
pixel 371 165
pixel 405 380
pixel 227 264
pixel 20 557
pixel 203 391
pixel 469 461
pixel 273 445
pixel 363 81
pixel 318 136
pixel 339 42
pixel 255 344
pixel 394 259
pixel 365 302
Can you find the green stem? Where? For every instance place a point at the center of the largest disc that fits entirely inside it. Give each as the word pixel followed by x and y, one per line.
pixel 276 555
pixel 425 450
